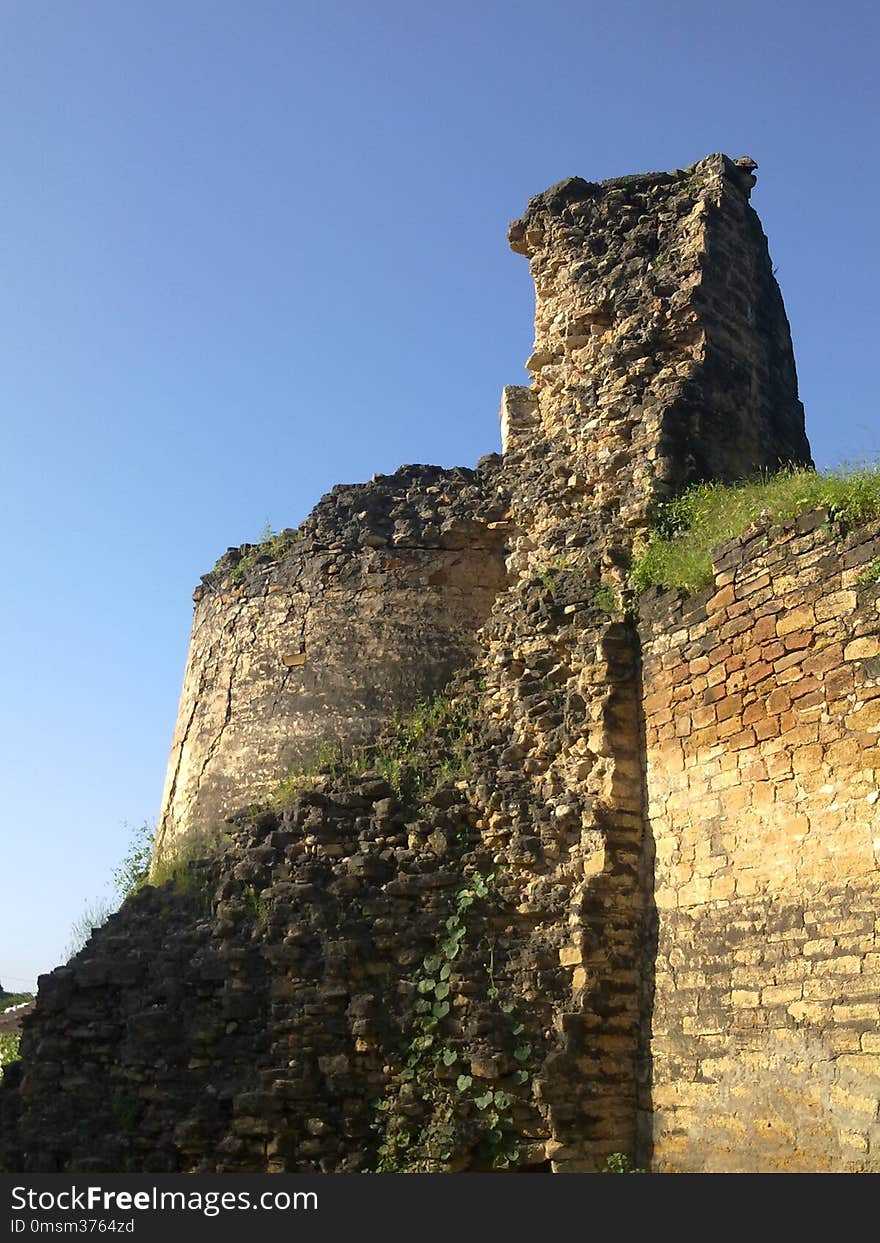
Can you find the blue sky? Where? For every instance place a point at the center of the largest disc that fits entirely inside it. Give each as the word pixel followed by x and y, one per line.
pixel 251 249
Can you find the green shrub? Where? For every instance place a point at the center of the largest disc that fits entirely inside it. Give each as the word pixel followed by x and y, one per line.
pixel 14 999
pixel 678 552
pixel 870 574
pixel 420 749
pixel 619 1163
pixel 134 870
pixel 607 598
pixel 9 1044
pixel 257 907
pixel 425 747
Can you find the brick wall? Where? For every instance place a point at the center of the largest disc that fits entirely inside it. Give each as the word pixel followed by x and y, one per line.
pixel 762 714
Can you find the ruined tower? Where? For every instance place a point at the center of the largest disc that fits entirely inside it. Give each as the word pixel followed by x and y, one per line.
pixel 662 355
pixel 310 642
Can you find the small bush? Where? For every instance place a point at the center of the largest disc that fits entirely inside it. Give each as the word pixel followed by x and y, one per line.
pixel 619 1163
pixel 257 907
pixel 679 549
pixel 424 748
pixel 870 574
pixel 9 1044
pixel 607 598
pixel 134 870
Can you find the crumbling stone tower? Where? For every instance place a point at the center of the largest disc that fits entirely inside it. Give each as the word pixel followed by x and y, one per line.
pixel 662 350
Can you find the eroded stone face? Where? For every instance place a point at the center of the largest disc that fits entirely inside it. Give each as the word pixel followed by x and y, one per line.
pixel 662 351
pixel 372 608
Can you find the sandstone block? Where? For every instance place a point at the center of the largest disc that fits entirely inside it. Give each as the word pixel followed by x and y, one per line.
pixel 800 618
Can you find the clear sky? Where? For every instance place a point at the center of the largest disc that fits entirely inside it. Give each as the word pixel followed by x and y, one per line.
pixel 253 248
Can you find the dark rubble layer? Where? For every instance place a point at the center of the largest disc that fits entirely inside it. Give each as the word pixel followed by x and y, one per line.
pixel 275 1011
pixel 416 506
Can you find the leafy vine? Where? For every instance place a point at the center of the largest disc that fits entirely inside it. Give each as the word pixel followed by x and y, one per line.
pixel 434 1110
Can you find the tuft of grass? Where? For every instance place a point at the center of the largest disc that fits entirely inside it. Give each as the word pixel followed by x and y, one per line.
pixel 332 760
pixel 549 577
pixel 183 867
pixel 420 750
pixel 607 598
pixel 257 906
pixel 678 552
pixel 95 914
pixel 870 574
pixel 424 747
pixel 272 547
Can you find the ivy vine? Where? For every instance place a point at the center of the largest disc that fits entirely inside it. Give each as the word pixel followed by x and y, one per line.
pixel 430 1113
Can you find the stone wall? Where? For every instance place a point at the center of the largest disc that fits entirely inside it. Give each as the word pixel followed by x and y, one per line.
pixel 762 711
pixel 371 605
pixel 248 1017
pixel 697 954
pixel 642 353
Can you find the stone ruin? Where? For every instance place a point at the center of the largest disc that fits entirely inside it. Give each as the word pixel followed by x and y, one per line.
pixel 623 897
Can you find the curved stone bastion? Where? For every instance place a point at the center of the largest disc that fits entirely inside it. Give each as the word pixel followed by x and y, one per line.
pixel 315 638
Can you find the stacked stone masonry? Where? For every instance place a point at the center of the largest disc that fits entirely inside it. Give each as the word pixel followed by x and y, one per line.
pixel 647 846
pixel 762 712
